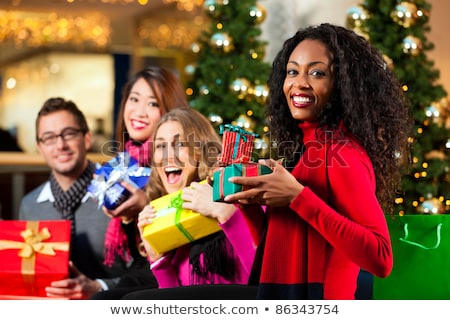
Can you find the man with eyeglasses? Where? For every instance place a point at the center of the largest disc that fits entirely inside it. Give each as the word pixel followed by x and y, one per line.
pixel 63 138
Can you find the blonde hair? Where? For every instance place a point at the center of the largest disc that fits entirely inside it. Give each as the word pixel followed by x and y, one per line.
pixel 204 143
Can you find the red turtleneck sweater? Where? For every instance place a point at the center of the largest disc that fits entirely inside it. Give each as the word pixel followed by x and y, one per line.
pixel 335 226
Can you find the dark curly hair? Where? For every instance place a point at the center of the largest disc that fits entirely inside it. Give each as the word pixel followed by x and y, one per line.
pixel 367 99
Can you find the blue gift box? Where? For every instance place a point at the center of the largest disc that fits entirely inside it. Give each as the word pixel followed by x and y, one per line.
pixel 106 187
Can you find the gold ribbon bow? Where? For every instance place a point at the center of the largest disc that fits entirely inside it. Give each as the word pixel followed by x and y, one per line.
pixel 34 242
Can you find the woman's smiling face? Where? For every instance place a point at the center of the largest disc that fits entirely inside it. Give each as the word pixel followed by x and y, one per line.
pixel 173 157
pixel 309 79
pixel 142 111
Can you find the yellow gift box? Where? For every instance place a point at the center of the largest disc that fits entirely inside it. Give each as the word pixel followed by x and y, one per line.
pixel 175 226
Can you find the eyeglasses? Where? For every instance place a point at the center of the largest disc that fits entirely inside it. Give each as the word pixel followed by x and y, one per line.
pixel 67 134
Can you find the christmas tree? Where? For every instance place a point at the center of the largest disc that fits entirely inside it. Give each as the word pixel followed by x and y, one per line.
pixel 229 76
pixel 398 30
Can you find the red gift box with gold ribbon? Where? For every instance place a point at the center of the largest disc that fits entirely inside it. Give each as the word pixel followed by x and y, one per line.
pixel 32 255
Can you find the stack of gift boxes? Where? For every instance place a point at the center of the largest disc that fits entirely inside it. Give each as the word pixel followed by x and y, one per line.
pixel 35 253
pixel 175 226
pixel 235 160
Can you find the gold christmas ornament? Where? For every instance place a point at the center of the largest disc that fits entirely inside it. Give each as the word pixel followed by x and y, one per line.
pixel 210 8
pixel 260 92
pixel 222 41
pixel 355 17
pixel 412 45
pixel 432 111
pixel 438 112
pixel 363 34
pixel 258 13
pixel 245 122
pixel 215 119
pixel 240 87
pixel 195 47
pixel 431 206
pixel 405 14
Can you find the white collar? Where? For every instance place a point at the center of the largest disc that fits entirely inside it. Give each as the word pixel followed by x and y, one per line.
pixel 47 195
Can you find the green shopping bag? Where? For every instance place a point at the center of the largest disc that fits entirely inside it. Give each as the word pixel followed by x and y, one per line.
pixel 421 248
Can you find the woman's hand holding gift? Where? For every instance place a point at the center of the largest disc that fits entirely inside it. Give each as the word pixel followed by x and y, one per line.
pixel 198 198
pixel 279 188
pixel 131 207
pixel 146 217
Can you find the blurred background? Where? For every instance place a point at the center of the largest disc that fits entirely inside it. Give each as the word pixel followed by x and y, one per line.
pixel 85 50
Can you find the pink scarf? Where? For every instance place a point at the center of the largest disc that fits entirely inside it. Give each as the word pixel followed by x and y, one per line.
pixel 116 241
pixel 140 151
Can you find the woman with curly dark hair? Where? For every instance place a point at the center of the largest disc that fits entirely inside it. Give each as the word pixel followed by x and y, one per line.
pixel 339 117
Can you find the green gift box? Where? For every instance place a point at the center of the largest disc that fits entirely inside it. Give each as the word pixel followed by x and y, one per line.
pixel 221 186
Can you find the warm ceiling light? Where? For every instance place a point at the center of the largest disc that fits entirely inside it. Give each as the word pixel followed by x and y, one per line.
pixel 141 2
pixel 185 5
pixel 172 33
pixel 35 30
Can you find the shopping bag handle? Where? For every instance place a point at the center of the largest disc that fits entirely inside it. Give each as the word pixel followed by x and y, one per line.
pixel 438 238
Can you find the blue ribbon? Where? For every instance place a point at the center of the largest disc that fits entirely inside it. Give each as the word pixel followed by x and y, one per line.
pixel 121 168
